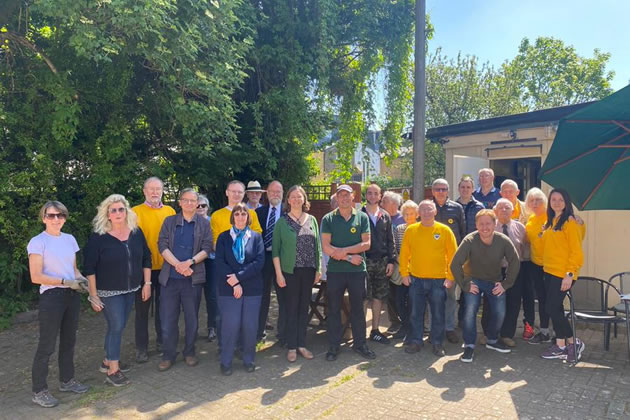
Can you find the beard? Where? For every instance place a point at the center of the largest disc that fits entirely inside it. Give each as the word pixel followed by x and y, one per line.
pixel 275 201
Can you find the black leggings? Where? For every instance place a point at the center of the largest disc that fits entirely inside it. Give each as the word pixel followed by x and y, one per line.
pixel 537 277
pixel 555 307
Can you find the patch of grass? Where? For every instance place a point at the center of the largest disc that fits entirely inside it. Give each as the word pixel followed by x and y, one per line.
pixel 343 380
pixel 328 412
pixel 96 393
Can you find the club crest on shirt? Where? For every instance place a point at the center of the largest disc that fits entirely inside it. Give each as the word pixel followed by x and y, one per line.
pixel 436 236
pixel 353 230
pixel 450 221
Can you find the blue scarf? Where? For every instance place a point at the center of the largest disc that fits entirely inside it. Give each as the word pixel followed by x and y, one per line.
pixel 238 247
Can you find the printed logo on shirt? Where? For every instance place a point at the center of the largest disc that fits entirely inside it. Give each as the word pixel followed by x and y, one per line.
pixel 436 236
pixel 450 221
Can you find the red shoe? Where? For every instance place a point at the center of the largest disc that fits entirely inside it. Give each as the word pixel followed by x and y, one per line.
pixel 528 331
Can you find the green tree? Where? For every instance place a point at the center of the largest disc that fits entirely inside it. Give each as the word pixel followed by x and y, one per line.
pixel 552 74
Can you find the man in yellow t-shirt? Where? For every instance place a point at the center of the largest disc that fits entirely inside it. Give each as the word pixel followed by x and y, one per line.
pixel 220 219
pixel 150 214
pixel 425 257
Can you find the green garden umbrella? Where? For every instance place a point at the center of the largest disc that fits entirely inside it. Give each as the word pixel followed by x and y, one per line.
pixel 590 156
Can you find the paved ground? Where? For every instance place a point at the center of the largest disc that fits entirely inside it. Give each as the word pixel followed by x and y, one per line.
pixel 395 385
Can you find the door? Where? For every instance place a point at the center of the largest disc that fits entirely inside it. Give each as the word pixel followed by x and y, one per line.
pixel 467 165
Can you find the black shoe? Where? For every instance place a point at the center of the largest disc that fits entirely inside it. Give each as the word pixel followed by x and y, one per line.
pixel 438 350
pixel 226 370
pixel 142 356
pixel 498 346
pixel 540 338
pixel 468 355
pixel 364 351
pixel 250 367
pixel 332 353
pixel 400 334
pixel 117 379
pixel 377 337
pixel 212 335
pixel 411 348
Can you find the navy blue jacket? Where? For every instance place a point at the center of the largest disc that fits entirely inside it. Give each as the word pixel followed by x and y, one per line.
pixel 249 273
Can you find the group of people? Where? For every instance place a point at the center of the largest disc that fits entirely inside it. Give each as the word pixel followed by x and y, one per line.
pixel 398 256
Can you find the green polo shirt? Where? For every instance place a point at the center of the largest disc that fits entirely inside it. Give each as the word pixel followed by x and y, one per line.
pixel 343 234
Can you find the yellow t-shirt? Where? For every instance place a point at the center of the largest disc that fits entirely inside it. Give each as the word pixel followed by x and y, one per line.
pixel 534 231
pixel 150 221
pixel 563 250
pixel 220 222
pixel 426 252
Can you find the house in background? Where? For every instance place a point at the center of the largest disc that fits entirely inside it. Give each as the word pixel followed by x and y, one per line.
pixel 515 146
pixel 365 161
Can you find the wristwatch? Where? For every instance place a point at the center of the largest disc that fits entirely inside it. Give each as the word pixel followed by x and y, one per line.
pixel 349 258
pixel 193 260
pixel 570 274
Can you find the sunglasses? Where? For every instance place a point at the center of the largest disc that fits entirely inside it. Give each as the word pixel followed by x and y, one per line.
pixel 115 210
pixel 440 189
pixel 240 213
pixel 202 206
pixel 51 216
pixel 188 200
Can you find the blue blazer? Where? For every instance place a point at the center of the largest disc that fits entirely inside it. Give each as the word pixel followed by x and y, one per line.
pixel 249 273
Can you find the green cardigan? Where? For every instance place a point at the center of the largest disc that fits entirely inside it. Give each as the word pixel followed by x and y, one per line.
pixel 284 244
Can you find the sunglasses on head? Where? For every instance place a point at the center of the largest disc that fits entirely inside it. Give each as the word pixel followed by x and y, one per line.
pixel 119 210
pixel 202 206
pixel 51 216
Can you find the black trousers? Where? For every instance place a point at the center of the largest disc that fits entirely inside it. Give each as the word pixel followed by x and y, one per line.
pixel 336 285
pixel 58 315
pixel 298 295
pixel 555 307
pixel 142 314
pixel 538 280
pixel 392 306
pixel 513 297
pixel 269 278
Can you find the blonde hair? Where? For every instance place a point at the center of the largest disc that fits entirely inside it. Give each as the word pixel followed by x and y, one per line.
pixel 101 222
pixel 409 204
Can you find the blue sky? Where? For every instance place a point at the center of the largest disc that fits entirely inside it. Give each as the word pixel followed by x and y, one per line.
pixel 493 29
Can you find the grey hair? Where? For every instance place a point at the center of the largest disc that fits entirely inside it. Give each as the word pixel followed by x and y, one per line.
pixel 151 179
pixel 509 182
pixel 393 196
pixel 55 205
pixel 427 201
pixel 203 198
pixel 440 181
pixel 535 193
pixel 485 170
pixel 503 200
pixel 187 190
pixel 409 204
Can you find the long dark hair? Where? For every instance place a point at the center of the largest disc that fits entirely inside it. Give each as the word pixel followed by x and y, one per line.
pixel 566 213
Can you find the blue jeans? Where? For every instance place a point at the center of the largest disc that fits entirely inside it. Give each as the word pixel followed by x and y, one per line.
pixel 451 308
pixel 239 320
pixel 419 291
pixel 497 313
pixel 179 294
pixel 117 309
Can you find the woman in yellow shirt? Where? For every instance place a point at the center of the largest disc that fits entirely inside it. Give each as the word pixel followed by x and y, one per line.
pixel 562 259
pixel 536 203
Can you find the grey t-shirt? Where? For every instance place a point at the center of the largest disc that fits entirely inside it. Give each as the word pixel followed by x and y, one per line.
pixel 58 253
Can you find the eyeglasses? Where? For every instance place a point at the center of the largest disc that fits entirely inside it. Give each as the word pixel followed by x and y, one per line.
pixel 240 213
pixel 117 210
pixel 440 189
pixel 202 206
pixel 188 200
pixel 59 216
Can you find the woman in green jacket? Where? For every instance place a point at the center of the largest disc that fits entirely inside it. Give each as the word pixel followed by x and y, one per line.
pixel 297 253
